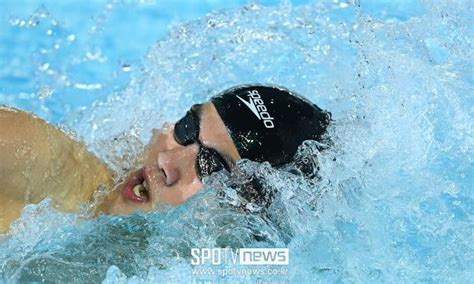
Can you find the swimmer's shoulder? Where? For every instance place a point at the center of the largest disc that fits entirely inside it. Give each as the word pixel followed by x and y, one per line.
pixel 15 119
pixel 18 127
pixel 40 160
pixel 22 127
pixel 8 112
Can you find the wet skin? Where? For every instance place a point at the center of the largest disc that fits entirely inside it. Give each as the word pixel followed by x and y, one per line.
pixel 39 161
pixel 168 174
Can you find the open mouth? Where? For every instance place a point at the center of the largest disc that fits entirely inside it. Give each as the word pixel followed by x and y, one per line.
pixel 136 188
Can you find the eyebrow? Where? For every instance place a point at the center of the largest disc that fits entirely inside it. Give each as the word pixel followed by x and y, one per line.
pixel 197 110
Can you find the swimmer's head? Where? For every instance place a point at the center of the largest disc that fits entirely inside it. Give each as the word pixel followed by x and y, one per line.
pixel 259 123
pixel 267 123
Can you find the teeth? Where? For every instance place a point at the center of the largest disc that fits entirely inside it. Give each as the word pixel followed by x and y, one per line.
pixel 139 190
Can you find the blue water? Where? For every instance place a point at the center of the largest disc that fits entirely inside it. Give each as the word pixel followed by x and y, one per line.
pixel 394 202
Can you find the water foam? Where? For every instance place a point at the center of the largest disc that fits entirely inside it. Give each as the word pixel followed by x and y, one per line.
pixel 393 198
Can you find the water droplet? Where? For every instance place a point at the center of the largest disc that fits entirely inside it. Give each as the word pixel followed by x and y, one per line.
pixel 95 55
pixel 343 5
pixel 44 92
pixel 44 67
pixel 33 22
pixel 41 12
pixel 71 37
pixel 126 68
pixel 82 86
pixel 14 21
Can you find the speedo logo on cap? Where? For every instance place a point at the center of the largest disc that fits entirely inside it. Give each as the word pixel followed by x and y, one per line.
pixel 257 106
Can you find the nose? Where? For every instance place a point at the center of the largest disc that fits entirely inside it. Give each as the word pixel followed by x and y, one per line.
pixel 177 164
pixel 163 139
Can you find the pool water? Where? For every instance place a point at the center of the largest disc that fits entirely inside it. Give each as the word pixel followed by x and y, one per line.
pixel 394 199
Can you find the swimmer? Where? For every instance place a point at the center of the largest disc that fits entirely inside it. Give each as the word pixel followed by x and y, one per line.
pixel 255 122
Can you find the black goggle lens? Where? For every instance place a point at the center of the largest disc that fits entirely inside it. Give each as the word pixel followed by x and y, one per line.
pixel 186 132
pixel 209 161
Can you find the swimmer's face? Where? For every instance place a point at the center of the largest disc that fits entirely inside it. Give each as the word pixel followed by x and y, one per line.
pixel 175 162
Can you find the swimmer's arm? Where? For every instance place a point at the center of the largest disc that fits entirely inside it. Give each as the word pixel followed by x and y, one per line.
pixel 37 161
pixel 10 210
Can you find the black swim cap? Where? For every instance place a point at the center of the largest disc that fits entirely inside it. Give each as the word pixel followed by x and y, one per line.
pixel 268 123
